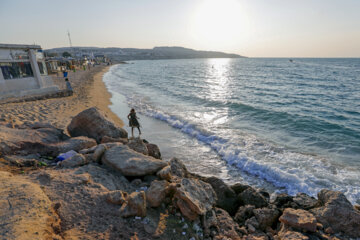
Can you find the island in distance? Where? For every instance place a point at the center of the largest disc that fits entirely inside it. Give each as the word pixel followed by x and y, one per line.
pixel 125 54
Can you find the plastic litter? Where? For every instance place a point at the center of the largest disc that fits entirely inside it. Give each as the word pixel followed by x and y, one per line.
pixel 64 156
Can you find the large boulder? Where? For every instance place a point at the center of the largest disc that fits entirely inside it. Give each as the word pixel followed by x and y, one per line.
pixel 299 219
pixel 194 197
pixel 28 140
pixel 305 201
pixel 135 205
pixel 156 193
pixel 337 213
pixel 94 124
pixel 131 163
pixel 226 197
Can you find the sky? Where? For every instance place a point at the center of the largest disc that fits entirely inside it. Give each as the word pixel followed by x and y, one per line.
pixel 253 28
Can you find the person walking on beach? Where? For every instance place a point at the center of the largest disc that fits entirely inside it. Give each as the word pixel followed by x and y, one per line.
pixel 133 122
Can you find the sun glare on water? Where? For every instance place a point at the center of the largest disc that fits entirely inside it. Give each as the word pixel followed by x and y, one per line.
pixel 219 23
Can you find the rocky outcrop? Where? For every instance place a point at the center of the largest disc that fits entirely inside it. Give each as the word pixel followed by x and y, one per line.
pixel 194 198
pixel 93 123
pixel 131 163
pixel 226 197
pixel 156 193
pixel 75 143
pixel 304 201
pixel 135 205
pixel 226 226
pixel 299 219
pixel 244 213
pixel 337 213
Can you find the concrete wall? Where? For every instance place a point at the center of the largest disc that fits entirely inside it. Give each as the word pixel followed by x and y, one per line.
pixel 18 84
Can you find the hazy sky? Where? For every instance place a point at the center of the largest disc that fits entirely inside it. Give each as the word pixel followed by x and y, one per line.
pixel 255 28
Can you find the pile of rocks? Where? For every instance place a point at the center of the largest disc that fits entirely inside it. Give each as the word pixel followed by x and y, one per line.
pixel 222 211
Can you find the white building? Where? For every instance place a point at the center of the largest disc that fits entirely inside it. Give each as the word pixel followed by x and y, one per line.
pixel 23 71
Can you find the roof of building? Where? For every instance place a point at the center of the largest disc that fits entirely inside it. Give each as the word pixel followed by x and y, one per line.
pixel 19 46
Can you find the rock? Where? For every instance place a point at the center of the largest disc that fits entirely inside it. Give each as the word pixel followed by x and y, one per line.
pixel 27 141
pixel 135 205
pixel 244 213
pixel 266 217
pixel 76 144
pixel 74 161
pixel 251 197
pixel 98 153
pixel 284 200
pixel 239 188
pixel 226 197
pixel 299 219
pixel 156 193
pixel 178 168
pixel 117 197
pixel 304 201
pixel 23 161
pixel 338 213
pixel 209 221
pixel 194 197
pixel 131 163
pixel 92 123
pixel 165 173
pixel 252 222
pixel 227 228
pixel 292 235
pixel 107 139
pixel 153 150
pixel 138 145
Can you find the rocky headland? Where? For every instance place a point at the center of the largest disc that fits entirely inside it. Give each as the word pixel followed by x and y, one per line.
pixel 114 187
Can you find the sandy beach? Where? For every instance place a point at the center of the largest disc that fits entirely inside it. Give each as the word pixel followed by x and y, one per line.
pixel 89 91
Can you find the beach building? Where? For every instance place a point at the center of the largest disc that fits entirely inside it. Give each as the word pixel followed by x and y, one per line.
pixel 23 71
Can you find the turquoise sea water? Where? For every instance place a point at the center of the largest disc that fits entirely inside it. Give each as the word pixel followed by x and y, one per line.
pixel 293 126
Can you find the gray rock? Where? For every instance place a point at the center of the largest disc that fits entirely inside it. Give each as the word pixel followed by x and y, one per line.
pixel 93 123
pixel 338 213
pixel 299 219
pixel 153 150
pixel 138 145
pixel 117 197
pixel 178 168
pixel 131 163
pixel 165 173
pixel 266 217
pixel 239 188
pixel 74 161
pixel 194 197
pixel 251 197
pixel 156 193
pixel 304 201
pixel 135 205
pixel 226 197
pixel 244 213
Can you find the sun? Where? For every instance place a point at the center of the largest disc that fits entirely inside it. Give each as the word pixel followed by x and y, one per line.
pixel 219 23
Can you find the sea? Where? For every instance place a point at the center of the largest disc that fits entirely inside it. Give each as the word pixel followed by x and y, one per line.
pixel 287 126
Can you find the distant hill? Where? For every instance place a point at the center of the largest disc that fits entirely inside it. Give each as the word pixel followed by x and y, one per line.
pixel 124 54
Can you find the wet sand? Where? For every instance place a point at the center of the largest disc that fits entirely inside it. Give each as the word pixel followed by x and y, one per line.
pixel 89 91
